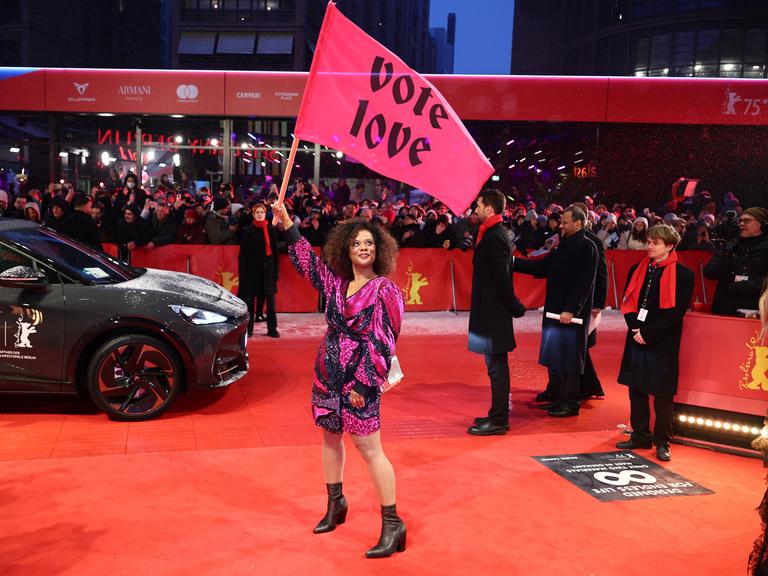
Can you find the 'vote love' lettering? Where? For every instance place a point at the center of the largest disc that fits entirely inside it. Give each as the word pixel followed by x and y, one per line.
pixel 398 135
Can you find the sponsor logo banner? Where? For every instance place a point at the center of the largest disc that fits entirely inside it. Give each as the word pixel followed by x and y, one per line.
pixel 610 476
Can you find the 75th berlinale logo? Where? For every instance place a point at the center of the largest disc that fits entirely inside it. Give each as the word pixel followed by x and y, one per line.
pixel 755 369
pixel 416 281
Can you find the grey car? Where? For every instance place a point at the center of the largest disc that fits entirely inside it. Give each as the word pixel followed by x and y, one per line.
pixel 74 320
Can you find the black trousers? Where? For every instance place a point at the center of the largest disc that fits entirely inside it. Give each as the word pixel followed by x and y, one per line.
pixel 567 386
pixel 498 372
pixel 271 312
pixel 640 417
pixel 589 382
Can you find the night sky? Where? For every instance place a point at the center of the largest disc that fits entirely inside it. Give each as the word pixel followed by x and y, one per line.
pixel 483 33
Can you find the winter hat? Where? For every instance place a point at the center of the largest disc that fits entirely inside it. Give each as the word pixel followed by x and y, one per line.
pixel 761 214
pixel 219 203
pixel 610 216
pixel 708 219
pixel 531 215
pixel 642 219
pixel 234 207
pixel 542 220
pixel 669 217
pixel 34 206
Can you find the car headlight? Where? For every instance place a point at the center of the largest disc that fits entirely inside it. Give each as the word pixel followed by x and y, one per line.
pixel 198 316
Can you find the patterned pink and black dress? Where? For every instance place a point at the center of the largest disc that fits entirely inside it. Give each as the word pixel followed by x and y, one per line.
pixel 357 349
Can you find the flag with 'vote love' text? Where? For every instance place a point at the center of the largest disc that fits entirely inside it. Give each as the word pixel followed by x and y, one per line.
pixel 363 100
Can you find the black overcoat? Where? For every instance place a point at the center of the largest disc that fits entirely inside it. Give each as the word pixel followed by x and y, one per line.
pixel 570 270
pixel 493 296
pixel 652 367
pixel 258 272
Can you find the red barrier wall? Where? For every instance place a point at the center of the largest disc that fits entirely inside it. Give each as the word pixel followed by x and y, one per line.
pixel 423 274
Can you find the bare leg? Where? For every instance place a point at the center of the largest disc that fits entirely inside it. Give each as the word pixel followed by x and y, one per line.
pixel 333 457
pixel 379 466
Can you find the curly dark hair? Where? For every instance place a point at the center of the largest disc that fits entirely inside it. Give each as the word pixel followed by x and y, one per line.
pixel 336 249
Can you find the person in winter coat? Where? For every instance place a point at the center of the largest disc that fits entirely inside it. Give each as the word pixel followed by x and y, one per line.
pixel 80 226
pixel 58 212
pixel 259 269
pixel 217 226
pixel 191 230
pixel 131 232
pixel 657 295
pixel 637 237
pixel 493 306
pixel 163 226
pixel 741 268
pixel 570 269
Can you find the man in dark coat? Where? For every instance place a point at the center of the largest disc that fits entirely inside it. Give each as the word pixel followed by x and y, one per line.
pixel 570 270
pixel 258 265
pixel 741 269
pixel 493 306
pixel 79 225
pixel 163 225
pixel 654 304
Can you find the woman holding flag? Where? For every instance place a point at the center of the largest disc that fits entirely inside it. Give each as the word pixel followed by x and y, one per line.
pixel 364 311
pixel 658 292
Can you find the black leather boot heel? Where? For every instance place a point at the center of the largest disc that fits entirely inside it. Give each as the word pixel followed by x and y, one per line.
pixel 336 512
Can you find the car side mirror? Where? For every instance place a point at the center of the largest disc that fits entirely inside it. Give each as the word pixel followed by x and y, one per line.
pixel 23 277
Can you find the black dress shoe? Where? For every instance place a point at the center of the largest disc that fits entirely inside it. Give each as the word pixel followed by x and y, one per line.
pixel 633 443
pixel 587 394
pixel 273 334
pixel 663 453
pixel 564 411
pixel 482 419
pixel 545 396
pixel 488 429
pixel 550 405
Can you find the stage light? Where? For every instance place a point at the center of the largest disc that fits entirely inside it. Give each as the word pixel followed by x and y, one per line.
pixel 728 67
pixel 718 424
pixel 15 149
pixel 510 142
pixel 561 167
pixel 177 159
pixel 511 166
pixel 579 160
pixel 521 160
pixel 150 155
pixel 105 114
pixel 579 152
pixel 708 422
pixel 263 163
pixel 755 431
pixel 83 159
pixel 495 178
pixel 179 139
pixel 699 421
pixel 538 151
pixel 244 145
pixel 177 115
pixel 542 160
pixel 727 425
pixel 498 151
pixel 339 154
pixel 214 141
pixel 105 157
pixel 63 154
pixel 683 418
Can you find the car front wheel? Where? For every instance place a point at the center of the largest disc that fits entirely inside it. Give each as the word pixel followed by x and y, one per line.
pixel 134 377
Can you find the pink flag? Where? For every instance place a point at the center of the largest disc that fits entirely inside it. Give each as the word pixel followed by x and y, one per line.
pixel 363 100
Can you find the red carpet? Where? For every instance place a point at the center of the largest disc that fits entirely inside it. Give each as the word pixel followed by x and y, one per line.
pixel 230 482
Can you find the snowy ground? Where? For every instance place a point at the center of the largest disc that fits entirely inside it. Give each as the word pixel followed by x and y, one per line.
pixel 424 323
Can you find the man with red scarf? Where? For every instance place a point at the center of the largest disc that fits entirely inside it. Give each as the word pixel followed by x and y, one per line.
pixel 258 267
pixel 493 306
pixel 658 292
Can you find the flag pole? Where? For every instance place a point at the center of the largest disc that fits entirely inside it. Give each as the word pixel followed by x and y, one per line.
pixel 288 169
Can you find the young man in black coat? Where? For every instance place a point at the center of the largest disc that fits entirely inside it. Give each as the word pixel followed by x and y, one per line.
pixel 80 225
pixel 655 300
pixel 570 270
pixel 258 266
pixel 493 306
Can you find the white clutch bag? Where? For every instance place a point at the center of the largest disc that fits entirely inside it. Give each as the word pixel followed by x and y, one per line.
pixel 394 376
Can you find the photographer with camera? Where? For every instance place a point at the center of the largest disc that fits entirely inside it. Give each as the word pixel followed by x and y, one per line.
pixel 740 268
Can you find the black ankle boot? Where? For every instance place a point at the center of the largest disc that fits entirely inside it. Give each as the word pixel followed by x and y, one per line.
pixel 336 512
pixel 392 534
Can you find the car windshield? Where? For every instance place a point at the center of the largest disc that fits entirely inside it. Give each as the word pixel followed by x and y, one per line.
pixel 71 258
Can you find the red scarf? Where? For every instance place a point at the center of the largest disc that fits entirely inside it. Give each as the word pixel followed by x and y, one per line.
pixel 631 300
pixel 490 221
pixel 263 225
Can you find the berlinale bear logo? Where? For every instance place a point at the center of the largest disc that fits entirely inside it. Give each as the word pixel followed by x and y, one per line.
pixel 23 330
pixel 755 369
pixel 416 281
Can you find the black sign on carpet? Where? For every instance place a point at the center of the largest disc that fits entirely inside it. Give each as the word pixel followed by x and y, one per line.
pixel 620 475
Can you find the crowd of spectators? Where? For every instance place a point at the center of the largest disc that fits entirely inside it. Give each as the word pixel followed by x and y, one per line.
pixel 131 216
